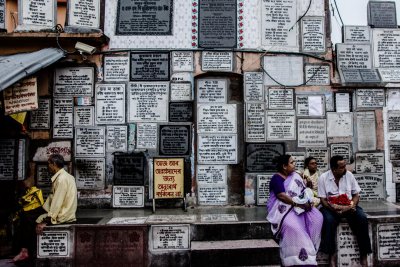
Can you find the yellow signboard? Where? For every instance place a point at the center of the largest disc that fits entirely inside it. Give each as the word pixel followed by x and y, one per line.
pixel 168 178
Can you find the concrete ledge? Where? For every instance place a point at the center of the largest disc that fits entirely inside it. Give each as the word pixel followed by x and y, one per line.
pixel 233 244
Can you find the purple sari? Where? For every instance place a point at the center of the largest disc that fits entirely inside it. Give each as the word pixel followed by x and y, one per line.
pixel 299 235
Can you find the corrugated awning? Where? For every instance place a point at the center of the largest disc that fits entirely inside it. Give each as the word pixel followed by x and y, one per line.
pixel 15 67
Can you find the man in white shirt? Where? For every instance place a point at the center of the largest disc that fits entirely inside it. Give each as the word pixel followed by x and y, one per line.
pixel 335 182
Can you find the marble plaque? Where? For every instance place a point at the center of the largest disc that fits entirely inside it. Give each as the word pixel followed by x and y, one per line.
pixel 259 156
pixel 218 218
pixel 280 98
pixel 356 34
pixel 127 220
pixel 90 142
pixel 255 122
pixel 372 186
pixel 253 86
pixel 116 68
pixel 216 61
pixel 311 132
pixel 250 187
pixel 40 118
pixel 310 105
pixel 217 149
pixel 393 99
pixel 175 140
pixel 83 116
pixel 277 20
pixel 317 74
pixel 212 91
pixel 396 171
pixel 73 81
pixel 342 102
pixel 394 150
pixel 83 101
pixel 60 147
pixel 7 159
pixel 136 17
pixel 63 118
pixel 83 14
pixel 313 34
pixel 211 174
pixel 217 118
pixel 354 56
pixel 285 70
pixel 388 241
pixel 131 136
pixel 90 173
pixel 54 244
pixel 43 176
pixel 386 44
pixel 146 136
pixel 263 188
pixel 321 155
pixel 36 15
pixel 382 14
pixel 366 131
pixel 281 125
pixel 148 66
pixel 212 195
pixel 180 111
pixel 359 76
pixel 339 124
pixel 117 136
pixel 182 61
pixel 21 159
pixel 22 96
pixel 389 75
pixel 3 15
pixel 129 169
pixel 344 150
pixel 157 219
pixel 128 196
pixel 148 102
pixel 170 237
pixel 393 124
pixel 370 162
pixel 370 98
pixel 181 91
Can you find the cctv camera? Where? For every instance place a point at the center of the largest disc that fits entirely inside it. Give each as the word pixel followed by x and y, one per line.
pixel 81 47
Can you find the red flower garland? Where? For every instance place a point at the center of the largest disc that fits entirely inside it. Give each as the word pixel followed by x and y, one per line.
pixel 340 200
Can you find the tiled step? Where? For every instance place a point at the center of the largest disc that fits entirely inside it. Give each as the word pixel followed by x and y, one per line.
pixel 250 252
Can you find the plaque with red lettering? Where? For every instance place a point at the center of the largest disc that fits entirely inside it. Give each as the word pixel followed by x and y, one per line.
pixel 168 178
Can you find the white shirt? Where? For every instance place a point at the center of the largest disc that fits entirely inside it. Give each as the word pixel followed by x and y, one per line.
pixel 347 185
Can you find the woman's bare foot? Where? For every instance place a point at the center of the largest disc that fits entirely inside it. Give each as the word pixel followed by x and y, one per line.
pixel 23 255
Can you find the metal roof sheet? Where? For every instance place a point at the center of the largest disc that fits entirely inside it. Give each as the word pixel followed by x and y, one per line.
pixel 15 67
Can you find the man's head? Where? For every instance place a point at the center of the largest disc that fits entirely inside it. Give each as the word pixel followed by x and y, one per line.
pixel 55 163
pixel 311 164
pixel 338 166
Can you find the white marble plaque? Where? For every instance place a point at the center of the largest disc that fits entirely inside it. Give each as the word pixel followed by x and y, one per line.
pixel 372 186
pixel 317 74
pixel 212 91
pixel 110 103
pixel 218 217
pixel 357 34
pixel 253 86
pixel 393 124
pixel 263 188
pixel 281 125
pixel 216 61
pixel 181 91
pixel 74 81
pixel 127 220
pixel 153 219
pixel 211 174
pixel 170 237
pixel 60 147
pixel 35 15
pixel 382 14
pixel 366 131
pixel 117 138
pixel 116 68
pixel 310 105
pixel 339 124
pixel 255 122
pixel 344 150
pixel 280 98
pixel 90 173
pixel 217 118
pixel 83 116
pixel 7 160
pixel 212 195
pixel 313 34
pixel 388 241
pixel 342 102
pixel 311 132
pixel 182 61
pixel 217 149
pixel 63 117
pixel 148 101
pixel 277 20
pixel 3 13
pixel 22 96
pixel 40 118
pixel 370 162
pixel 54 244
pixel 146 136
pixel 386 46
pixel 285 70
pixel 90 142
pixel 128 196
pixel 354 56
pixel 389 75
pixel 321 155
pixel 393 99
pixel 370 98
pixel 83 13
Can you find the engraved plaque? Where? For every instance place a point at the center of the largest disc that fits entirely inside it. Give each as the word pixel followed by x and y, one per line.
pixel 170 237
pixel 116 68
pixel 394 150
pixel 7 159
pixel 370 98
pixel 310 105
pixel 90 142
pixel 217 149
pixel 386 44
pixel 253 86
pixel 74 81
pixel 339 120
pixel 63 118
pixel 366 131
pixel 396 172
pixel 372 186
pixel 3 15
pixel 211 174
pixel 54 244
pixel 217 118
pixel 382 14
pixel 354 56
pixel 146 135
pixel 255 122
pixel 283 70
pixel 388 241
pixel 356 34
pixel 317 74
pixel 313 34
pixel 40 118
pixel 280 98
pixel 342 102
pixel 147 66
pixel 43 176
pixel 153 219
pixel 226 217
pixel 117 138
pixel 281 125
pixel 22 96
pixel 182 61
pixel 311 132
pixel 393 124
pixel 370 162
pixel 263 188
pixel 344 150
pixel 36 15
pixel 216 61
pixel 212 195
pixel 90 173
pixel 84 116
pixel 260 156
pixel 127 220
pixel 389 75
pixel 181 111
pixel 83 14
pixel 181 91
pixel 212 91
pixel 174 140
pixel 60 147
pixel 128 196
pixel 129 169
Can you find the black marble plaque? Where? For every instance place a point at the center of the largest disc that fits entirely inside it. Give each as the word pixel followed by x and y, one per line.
pixel 382 14
pixel 7 161
pixel 40 118
pixel 259 156
pixel 139 17
pixel 360 76
pixel 398 192
pixel 394 150
pixel 181 111
pixel 217 24
pixel 129 169
pixel 174 140
pixel 149 66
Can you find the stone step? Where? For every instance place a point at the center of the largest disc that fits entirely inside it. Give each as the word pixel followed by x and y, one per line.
pixel 250 252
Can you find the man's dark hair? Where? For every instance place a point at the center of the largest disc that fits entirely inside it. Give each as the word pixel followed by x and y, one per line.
pixel 57 159
pixel 281 160
pixel 334 161
pixel 307 161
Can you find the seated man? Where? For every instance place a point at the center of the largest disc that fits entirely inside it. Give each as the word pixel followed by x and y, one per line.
pixel 335 182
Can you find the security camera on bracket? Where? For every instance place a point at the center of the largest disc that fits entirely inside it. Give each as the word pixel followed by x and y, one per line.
pixel 85 48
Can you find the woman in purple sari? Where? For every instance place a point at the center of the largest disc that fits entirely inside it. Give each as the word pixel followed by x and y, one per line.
pixel 294 220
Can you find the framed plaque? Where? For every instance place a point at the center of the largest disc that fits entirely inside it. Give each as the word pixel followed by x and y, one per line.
pixel 168 178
